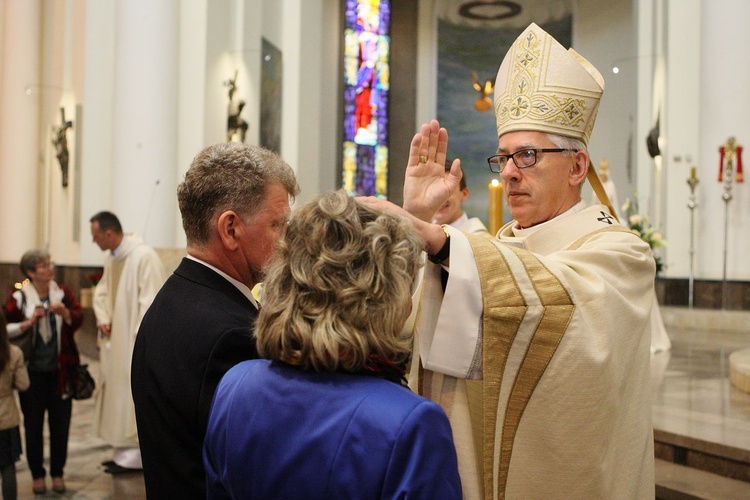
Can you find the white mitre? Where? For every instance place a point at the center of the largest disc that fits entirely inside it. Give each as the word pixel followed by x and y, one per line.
pixel 541 86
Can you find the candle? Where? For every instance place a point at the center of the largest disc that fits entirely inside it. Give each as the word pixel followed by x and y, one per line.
pixel 740 175
pixel 496 206
pixel 692 173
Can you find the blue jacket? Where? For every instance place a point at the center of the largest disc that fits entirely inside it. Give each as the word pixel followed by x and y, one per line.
pixel 279 432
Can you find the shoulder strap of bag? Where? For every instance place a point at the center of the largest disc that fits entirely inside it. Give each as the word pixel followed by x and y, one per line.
pixel 31 331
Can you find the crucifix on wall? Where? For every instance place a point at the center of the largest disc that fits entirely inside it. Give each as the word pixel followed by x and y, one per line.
pixel 61 145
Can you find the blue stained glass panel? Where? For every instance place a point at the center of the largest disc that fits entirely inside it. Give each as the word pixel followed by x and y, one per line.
pixel 366 87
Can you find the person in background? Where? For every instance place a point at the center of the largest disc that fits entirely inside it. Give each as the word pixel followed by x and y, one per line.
pixel 133 273
pixel 235 203
pixel 50 314
pixel 452 211
pixel 327 414
pixel 538 348
pixel 13 376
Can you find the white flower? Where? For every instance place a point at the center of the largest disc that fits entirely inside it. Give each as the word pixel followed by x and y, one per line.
pixel 657 240
pixel 641 226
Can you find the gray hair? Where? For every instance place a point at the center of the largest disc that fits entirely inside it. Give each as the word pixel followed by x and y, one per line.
pixel 229 176
pixel 31 259
pixel 567 143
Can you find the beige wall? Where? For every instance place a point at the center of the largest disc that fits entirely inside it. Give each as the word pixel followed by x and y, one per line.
pixel 74 49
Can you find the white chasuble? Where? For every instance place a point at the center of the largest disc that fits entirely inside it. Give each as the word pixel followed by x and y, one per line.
pixel 538 350
pixel 128 286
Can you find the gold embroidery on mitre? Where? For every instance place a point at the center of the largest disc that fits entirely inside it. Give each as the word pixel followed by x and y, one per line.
pixel 542 87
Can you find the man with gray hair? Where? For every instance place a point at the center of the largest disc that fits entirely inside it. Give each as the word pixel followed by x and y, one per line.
pixel 538 349
pixel 234 201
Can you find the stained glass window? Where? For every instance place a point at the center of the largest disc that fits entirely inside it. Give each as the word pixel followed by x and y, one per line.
pixel 366 86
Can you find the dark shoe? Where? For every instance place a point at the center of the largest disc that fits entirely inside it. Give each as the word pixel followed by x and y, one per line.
pixel 119 469
pixel 38 487
pixel 58 485
pixel 108 463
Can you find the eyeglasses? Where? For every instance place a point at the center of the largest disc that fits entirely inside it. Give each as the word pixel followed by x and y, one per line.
pixel 523 159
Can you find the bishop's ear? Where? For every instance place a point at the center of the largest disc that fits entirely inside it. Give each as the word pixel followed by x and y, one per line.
pixel 579 169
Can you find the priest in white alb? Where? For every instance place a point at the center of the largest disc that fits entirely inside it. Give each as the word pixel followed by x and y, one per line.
pixel 538 347
pixel 133 274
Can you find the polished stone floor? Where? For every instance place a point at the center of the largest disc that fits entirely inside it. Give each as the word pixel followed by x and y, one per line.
pixel 692 397
pixel 84 475
pixel 695 405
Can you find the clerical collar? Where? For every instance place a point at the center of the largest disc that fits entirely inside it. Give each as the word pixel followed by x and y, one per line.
pixel 240 285
pixel 119 248
pixel 521 232
pixel 463 219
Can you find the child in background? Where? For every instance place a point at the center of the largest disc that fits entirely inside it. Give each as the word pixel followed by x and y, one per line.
pixel 13 375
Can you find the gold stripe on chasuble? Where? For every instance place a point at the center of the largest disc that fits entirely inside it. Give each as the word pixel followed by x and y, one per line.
pixel 503 310
pixel 557 313
pixel 609 229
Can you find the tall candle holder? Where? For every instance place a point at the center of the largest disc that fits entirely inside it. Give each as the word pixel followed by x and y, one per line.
pixel 692 205
pixel 727 154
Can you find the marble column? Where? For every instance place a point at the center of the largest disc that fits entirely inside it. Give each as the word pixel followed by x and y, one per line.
pixel 19 128
pixel 722 112
pixel 144 129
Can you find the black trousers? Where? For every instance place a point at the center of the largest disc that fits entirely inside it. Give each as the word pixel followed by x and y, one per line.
pixel 41 397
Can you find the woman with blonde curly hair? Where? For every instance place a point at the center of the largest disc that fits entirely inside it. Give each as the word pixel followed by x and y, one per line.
pixel 327 414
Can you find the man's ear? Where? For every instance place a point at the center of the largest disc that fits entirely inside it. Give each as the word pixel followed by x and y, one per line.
pixel 109 236
pixel 464 194
pixel 579 170
pixel 228 227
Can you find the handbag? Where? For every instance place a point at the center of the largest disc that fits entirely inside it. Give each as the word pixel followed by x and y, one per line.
pixel 25 343
pixel 83 384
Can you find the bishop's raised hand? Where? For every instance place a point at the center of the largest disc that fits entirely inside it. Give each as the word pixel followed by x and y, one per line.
pixel 426 187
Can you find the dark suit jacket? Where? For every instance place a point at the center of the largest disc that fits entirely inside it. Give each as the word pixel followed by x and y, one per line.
pixel 197 328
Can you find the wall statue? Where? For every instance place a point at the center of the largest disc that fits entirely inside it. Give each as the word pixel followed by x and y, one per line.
pixel 235 123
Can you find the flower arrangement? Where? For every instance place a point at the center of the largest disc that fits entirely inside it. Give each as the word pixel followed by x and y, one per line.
pixel 641 225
